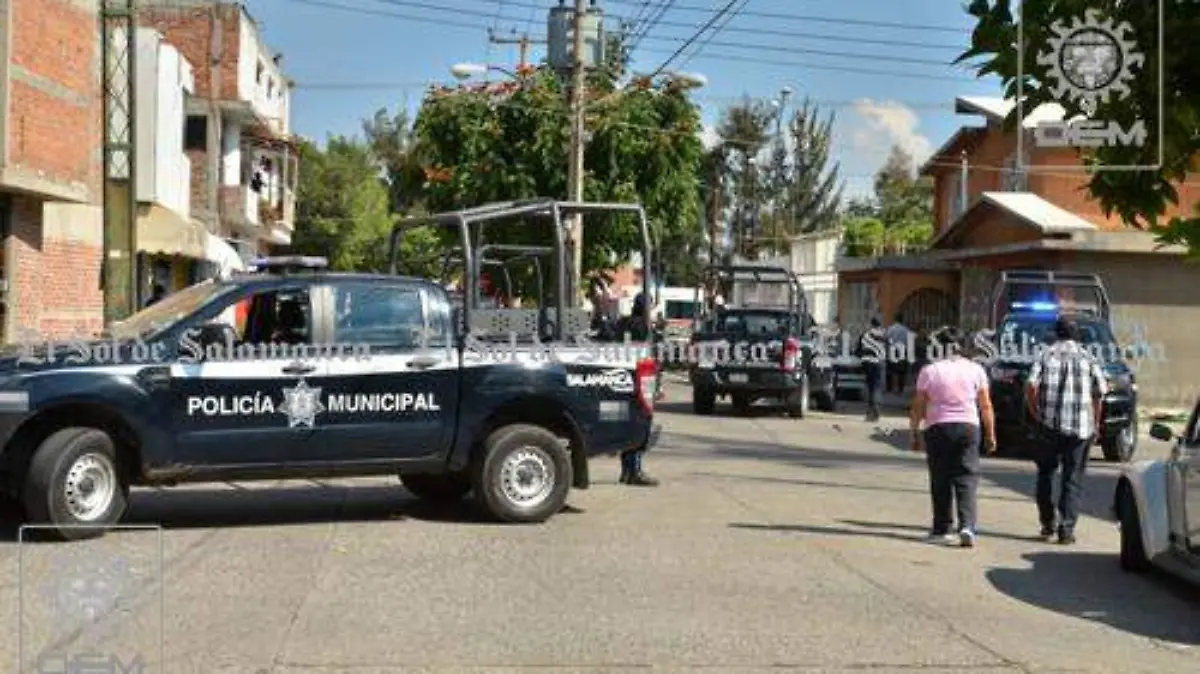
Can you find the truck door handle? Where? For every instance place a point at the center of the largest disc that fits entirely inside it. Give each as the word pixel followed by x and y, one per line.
pixel 157 377
pixel 298 368
pixel 423 362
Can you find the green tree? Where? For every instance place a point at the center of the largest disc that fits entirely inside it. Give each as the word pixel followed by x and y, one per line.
pixel 1140 197
pixel 899 218
pixel 744 130
pixel 480 144
pixel 343 209
pixel 812 190
pixel 862 237
pixel 391 141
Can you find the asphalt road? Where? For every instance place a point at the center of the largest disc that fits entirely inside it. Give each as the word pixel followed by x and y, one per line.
pixel 772 544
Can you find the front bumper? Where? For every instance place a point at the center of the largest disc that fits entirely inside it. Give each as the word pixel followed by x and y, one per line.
pixel 1118 410
pixel 723 381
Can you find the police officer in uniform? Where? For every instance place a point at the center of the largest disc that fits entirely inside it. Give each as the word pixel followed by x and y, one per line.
pixel 636 327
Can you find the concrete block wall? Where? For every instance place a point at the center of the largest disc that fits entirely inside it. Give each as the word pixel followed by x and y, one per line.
pixel 1154 298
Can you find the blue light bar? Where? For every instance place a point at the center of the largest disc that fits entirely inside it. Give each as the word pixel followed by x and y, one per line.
pixel 1043 307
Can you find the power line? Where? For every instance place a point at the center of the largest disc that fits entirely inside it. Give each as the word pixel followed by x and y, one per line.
pixel 710 42
pixel 721 57
pixel 711 35
pixel 823 19
pixel 763 30
pixel 662 9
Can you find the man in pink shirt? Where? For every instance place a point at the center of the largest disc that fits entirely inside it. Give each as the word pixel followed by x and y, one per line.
pixel 952 400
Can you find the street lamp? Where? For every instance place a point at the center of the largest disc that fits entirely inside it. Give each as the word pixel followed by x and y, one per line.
pixel 465 71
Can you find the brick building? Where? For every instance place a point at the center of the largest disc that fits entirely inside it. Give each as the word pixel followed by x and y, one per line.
pixel 989 216
pixel 50 168
pixel 238 130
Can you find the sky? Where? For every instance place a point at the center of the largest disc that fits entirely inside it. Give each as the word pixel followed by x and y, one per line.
pixel 881 66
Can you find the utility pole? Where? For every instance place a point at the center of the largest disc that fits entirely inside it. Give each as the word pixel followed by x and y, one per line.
pixel 575 169
pixel 118 49
pixel 523 41
pixel 215 131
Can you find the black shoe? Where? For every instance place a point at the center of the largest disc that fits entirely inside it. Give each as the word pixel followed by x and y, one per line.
pixel 641 480
pixel 624 478
pixel 1048 533
pixel 1066 539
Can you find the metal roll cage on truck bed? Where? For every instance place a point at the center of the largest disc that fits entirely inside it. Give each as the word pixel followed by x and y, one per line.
pixel 546 209
pixel 789 372
pixel 513 424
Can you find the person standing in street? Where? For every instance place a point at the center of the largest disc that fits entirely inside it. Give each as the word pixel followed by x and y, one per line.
pixel 637 328
pixel 953 401
pixel 897 367
pixel 872 351
pixel 1064 393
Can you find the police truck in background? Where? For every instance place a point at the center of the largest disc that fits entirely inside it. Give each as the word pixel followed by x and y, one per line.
pixel 1026 305
pixel 165 402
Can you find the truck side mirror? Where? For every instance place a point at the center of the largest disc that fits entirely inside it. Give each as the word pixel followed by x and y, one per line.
pixel 1160 431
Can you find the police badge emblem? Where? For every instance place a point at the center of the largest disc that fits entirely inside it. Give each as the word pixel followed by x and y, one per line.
pixel 301 404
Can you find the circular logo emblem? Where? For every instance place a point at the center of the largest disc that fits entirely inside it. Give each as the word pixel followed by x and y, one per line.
pixel 1090 60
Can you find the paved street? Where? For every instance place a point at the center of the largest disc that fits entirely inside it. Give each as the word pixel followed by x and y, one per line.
pixel 773 543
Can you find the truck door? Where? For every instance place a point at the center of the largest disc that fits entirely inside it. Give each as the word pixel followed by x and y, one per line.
pixel 259 403
pixel 393 394
pixel 1188 466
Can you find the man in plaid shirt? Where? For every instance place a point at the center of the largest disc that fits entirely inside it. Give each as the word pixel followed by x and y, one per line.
pixel 1065 390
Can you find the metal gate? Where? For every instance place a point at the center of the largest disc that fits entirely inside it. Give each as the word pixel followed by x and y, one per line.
pixel 927 309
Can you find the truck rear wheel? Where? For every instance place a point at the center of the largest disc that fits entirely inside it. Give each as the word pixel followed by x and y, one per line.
pixel 523 474
pixel 1119 447
pixel 74 484
pixel 444 487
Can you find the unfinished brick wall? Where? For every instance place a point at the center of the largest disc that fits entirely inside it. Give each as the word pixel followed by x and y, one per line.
pixel 55 110
pixel 55 130
pixel 190 30
pixel 55 281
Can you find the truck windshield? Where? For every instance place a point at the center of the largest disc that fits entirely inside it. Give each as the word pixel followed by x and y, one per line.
pixel 1039 330
pixel 167 311
pixel 751 323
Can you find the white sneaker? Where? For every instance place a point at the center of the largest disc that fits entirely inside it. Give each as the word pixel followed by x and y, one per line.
pixel 943 539
pixel 966 538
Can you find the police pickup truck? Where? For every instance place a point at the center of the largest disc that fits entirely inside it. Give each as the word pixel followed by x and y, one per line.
pixel 299 372
pixel 1027 304
pixel 757 350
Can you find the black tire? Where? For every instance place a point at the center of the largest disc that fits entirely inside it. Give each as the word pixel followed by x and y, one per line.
pixel 741 403
pixel 73 461
pixel 704 401
pixel 1119 447
pixel 543 451
pixel 798 401
pixel 439 488
pixel 826 402
pixel 1133 552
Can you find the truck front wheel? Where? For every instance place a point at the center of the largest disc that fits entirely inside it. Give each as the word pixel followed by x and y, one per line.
pixel 523 474
pixel 73 484
pixel 441 488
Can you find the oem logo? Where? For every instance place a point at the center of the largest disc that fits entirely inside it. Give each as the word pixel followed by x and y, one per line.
pixel 1089 61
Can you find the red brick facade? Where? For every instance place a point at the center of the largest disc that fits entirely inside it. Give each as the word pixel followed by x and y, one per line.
pixel 987 153
pixel 190 30
pixel 54 135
